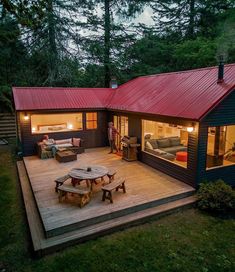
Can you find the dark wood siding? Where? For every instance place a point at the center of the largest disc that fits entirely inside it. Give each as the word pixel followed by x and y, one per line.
pixel 223 114
pixel 135 129
pixel 92 138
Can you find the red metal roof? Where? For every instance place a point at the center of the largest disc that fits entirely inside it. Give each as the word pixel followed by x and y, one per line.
pixel 41 98
pixel 188 94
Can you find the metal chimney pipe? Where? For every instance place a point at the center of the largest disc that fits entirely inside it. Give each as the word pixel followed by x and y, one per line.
pixel 221 71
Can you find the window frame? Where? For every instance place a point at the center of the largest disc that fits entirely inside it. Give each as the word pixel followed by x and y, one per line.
pixel 55 113
pixel 155 156
pixel 87 112
pixel 207 169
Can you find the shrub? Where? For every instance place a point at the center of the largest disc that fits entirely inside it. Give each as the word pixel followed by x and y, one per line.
pixel 216 196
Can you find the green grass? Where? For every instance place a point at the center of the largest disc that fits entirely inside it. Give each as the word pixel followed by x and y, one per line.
pixel 185 241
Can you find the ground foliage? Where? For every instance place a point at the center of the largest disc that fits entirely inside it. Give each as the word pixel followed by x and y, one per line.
pixel 185 241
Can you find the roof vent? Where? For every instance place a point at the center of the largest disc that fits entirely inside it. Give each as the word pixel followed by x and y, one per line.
pixel 113 83
pixel 221 70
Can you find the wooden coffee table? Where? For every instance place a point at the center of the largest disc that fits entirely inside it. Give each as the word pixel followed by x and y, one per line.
pixel 65 156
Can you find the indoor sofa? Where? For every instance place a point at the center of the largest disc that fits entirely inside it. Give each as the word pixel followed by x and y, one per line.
pixel 165 147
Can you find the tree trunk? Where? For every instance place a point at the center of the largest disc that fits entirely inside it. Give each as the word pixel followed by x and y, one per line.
pixel 107 75
pixel 53 55
pixel 191 25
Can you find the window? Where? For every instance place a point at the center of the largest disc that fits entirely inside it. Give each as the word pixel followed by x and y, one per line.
pixel 220 146
pixel 91 120
pixel 166 141
pixel 59 122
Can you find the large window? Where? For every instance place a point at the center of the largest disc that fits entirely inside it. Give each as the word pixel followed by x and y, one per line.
pixel 166 141
pixel 220 146
pixel 49 123
pixel 91 120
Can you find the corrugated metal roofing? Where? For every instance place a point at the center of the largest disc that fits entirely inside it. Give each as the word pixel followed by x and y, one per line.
pixel 188 94
pixel 40 98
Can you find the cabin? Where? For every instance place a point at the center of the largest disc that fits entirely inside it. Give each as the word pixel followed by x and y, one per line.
pixel 184 121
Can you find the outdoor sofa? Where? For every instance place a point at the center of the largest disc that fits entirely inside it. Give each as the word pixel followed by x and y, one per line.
pixel 47 149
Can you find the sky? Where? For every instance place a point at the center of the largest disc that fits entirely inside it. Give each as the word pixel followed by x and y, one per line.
pixel 145 17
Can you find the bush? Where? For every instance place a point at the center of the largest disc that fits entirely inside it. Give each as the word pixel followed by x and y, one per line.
pixel 216 196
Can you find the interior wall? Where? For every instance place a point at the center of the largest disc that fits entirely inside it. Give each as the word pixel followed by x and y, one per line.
pixel 73 119
pixel 230 137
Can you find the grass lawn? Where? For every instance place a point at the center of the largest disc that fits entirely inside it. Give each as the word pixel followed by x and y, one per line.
pixel 185 241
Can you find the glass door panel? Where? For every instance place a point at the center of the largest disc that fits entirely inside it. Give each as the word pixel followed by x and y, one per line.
pixel 121 124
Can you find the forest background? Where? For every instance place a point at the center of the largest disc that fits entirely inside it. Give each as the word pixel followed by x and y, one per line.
pixel 85 43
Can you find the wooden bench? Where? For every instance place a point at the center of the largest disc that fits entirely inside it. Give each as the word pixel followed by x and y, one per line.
pixel 111 175
pixel 84 195
pixel 116 184
pixel 60 181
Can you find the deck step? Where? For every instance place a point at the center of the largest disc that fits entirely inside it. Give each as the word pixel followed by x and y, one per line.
pixel 129 210
pixel 43 245
pixel 107 227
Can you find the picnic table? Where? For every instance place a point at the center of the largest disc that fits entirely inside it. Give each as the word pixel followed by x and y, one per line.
pixel 88 173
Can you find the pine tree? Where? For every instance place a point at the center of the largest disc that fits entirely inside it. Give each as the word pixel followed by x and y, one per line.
pixel 188 17
pixel 114 34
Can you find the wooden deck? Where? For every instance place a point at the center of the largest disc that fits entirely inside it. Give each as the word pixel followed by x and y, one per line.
pixel 146 188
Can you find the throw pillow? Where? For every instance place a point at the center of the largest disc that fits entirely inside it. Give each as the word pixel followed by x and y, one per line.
pixel 76 141
pixel 153 142
pixel 148 145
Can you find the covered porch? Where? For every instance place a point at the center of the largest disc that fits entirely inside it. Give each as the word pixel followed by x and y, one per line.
pixel 146 188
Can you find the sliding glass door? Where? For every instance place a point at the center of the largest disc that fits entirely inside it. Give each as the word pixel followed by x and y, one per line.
pixel 121 124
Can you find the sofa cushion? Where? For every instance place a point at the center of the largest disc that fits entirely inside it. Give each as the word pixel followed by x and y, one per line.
pixel 175 141
pixel 162 143
pixel 63 145
pixel 153 142
pixel 76 142
pixel 159 151
pixel 174 149
pixel 148 145
pixel 64 141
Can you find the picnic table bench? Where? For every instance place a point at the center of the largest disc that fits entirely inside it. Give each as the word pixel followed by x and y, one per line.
pixel 84 194
pixel 111 175
pixel 60 181
pixel 114 185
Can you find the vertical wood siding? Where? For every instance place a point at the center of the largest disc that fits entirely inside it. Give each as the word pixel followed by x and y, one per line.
pixel 92 138
pixel 223 114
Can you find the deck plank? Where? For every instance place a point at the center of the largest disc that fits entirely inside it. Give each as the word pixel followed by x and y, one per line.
pixel 143 183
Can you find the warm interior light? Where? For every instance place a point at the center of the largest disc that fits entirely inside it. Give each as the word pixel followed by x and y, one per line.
pixel 190 129
pixel 33 129
pixel 26 117
pixel 70 126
